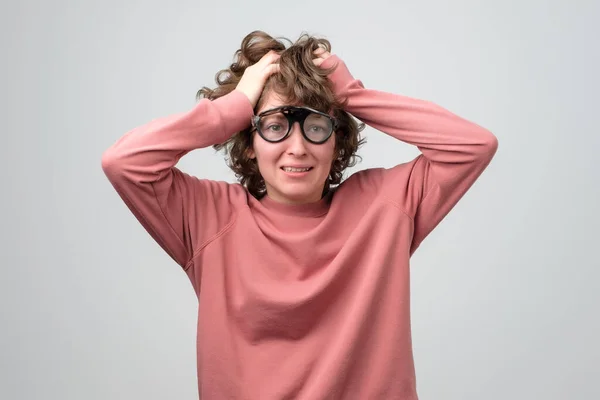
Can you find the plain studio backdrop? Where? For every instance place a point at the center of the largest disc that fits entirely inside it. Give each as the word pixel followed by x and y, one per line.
pixel 505 291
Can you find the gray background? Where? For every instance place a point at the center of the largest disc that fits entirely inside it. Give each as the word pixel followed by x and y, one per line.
pixel 505 292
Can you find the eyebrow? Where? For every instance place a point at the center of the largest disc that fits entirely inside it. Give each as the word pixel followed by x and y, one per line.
pixel 263 108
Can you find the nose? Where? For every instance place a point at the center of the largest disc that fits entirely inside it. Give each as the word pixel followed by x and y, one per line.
pixel 296 142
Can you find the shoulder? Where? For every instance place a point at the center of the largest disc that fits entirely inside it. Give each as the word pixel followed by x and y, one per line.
pixel 377 179
pixel 402 183
pixel 219 191
pixel 360 189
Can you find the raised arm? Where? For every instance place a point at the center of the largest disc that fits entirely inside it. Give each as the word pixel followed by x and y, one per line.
pixel 454 151
pixel 179 211
pixel 184 213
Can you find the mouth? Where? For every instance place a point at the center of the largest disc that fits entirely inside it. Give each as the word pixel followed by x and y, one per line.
pixel 296 169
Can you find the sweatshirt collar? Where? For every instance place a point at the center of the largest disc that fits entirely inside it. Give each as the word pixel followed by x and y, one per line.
pixel 315 209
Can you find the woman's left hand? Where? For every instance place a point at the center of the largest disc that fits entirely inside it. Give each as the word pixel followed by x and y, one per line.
pixel 341 76
pixel 321 55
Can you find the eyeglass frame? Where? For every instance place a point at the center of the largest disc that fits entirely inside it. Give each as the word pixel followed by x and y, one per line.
pixel 291 117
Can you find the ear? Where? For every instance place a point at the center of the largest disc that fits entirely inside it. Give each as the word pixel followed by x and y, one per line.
pixel 250 153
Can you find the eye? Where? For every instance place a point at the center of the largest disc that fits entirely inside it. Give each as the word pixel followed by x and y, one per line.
pixel 274 127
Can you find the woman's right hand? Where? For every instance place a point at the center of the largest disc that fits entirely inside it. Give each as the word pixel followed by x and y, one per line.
pixel 255 76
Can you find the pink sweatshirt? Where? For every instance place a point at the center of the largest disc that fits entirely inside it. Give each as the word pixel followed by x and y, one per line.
pixel 302 302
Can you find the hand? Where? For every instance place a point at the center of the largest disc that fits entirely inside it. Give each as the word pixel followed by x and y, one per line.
pixel 322 55
pixel 255 76
pixel 340 77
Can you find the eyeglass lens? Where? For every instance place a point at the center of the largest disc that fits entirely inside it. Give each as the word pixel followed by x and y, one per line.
pixel 275 126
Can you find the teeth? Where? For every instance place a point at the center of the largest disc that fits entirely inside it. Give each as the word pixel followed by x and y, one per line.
pixel 290 169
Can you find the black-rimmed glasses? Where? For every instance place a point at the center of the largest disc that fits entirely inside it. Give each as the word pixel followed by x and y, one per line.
pixel 274 125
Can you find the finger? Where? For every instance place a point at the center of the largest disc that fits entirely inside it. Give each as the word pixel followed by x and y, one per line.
pixel 318 61
pixel 322 53
pixel 271 69
pixel 273 56
pixel 270 57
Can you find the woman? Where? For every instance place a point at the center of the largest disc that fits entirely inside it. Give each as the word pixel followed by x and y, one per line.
pixel 302 281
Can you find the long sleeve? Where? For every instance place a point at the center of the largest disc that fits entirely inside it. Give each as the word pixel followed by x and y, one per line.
pixel 181 212
pixel 454 151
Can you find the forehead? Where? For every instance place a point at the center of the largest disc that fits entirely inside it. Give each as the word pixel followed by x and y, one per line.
pixel 272 100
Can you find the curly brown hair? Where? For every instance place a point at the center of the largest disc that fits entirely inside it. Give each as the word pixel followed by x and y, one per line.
pixel 298 81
